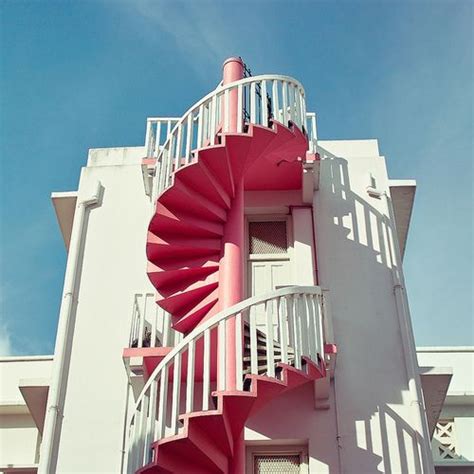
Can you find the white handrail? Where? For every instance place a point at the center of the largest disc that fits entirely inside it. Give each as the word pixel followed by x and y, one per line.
pixel 258 102
pixel 293 323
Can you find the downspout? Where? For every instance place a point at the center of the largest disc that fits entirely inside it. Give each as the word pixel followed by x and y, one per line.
pixel 48 457
pixel 409 349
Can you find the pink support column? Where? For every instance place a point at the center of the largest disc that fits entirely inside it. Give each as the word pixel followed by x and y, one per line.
pixel 232 258
pixel 231 264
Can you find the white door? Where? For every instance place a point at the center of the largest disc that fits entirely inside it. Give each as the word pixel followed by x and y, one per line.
pixel 269 259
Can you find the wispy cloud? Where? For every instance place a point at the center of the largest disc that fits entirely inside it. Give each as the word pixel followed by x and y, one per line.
pixel 5 341
pixel 205 32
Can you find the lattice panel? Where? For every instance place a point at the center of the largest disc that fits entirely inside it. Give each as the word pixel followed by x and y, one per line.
pixel 277 464
pixel 446 437
pixel 268 237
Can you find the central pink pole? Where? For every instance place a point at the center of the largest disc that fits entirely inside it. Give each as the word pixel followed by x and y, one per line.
pixel 231 276
pixel 231 263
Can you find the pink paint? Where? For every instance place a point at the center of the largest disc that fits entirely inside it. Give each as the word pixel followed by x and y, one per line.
pixel 232 70
pixel 231 275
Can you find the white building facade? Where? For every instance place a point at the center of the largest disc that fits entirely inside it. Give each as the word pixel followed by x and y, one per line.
pixel 339 387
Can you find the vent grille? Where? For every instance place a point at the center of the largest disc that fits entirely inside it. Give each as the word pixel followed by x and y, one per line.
pixel 268 237
pixel 277 464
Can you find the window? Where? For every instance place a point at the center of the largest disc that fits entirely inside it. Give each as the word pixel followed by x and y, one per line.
pixel 276 463
pixel 277 459
pixel 268 237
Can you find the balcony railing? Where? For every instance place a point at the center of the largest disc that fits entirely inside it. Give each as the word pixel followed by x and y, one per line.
pixel 293 326
pixel 150 325
pixel 259 99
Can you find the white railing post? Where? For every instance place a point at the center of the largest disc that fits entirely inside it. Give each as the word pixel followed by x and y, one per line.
pixel 284 95
pixel 212 132
pixel 240 115
pixel 190 378
pixel 253 94
pixel 275 101
pixel 226 110
pixel 221 361
pixel 264 105
pixel 238 352
pixel 176 393
pixel 189 135
pixel 148 134
pixel 163 400
pixel 253 341
pixel 283 329
pixel 206 370
pixel 270 348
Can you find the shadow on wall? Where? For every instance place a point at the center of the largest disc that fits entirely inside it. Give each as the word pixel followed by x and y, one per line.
pixel 361 269
pixel 371 363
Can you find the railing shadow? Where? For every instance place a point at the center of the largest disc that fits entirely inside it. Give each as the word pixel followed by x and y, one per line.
pixel 361 267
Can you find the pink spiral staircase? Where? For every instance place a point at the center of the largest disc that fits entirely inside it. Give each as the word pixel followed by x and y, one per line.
pixel 185 250
pixel 184 244
pixel 209 439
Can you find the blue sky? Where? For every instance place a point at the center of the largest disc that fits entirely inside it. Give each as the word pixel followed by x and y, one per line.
pixel 85 74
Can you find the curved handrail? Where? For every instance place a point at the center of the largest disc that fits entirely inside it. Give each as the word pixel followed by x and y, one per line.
pixel 258 99
pixel 223 315
pixel 299 311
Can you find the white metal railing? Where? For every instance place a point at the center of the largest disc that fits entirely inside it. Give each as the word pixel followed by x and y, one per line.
pixel 259 99
pixel 150 325
pixel 158 129
pixel 293 321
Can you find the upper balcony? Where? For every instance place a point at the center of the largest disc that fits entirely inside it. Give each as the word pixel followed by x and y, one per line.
pixel 171 143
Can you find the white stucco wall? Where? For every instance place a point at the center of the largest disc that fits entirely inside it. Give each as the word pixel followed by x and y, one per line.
pixel 459 403
pixel 113 269
pixel 374 429
pixel 19 437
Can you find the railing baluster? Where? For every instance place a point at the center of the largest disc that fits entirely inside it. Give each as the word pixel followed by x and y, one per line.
pixel 297 328
pixel 270 348
pixel 282 330
pixel 212 132
pixel 132 447
pixel 284 95
pixel 238 352
pixel 189 134
pixel 190 378
pixel 312 343
pixel 177 161
pixel 264 104
pixel 206 370
pixel 143 426
pixel 253 341
pixel 200 126
pixel 206 123
pixel 141 327
pixel 148 135
pixel 163 400
pixel 240 117
pixel 320 326
pixel 253 111
pixel 291 321
pixel 275 101
pixel 169 164
pixel 221 362
pixel 226 110
pixel 157 139
pixel 176 394
pixel 150 429
pixel 299 121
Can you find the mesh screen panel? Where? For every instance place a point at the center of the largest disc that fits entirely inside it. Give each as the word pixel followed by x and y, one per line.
pixel 268 237
pixel 277 464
